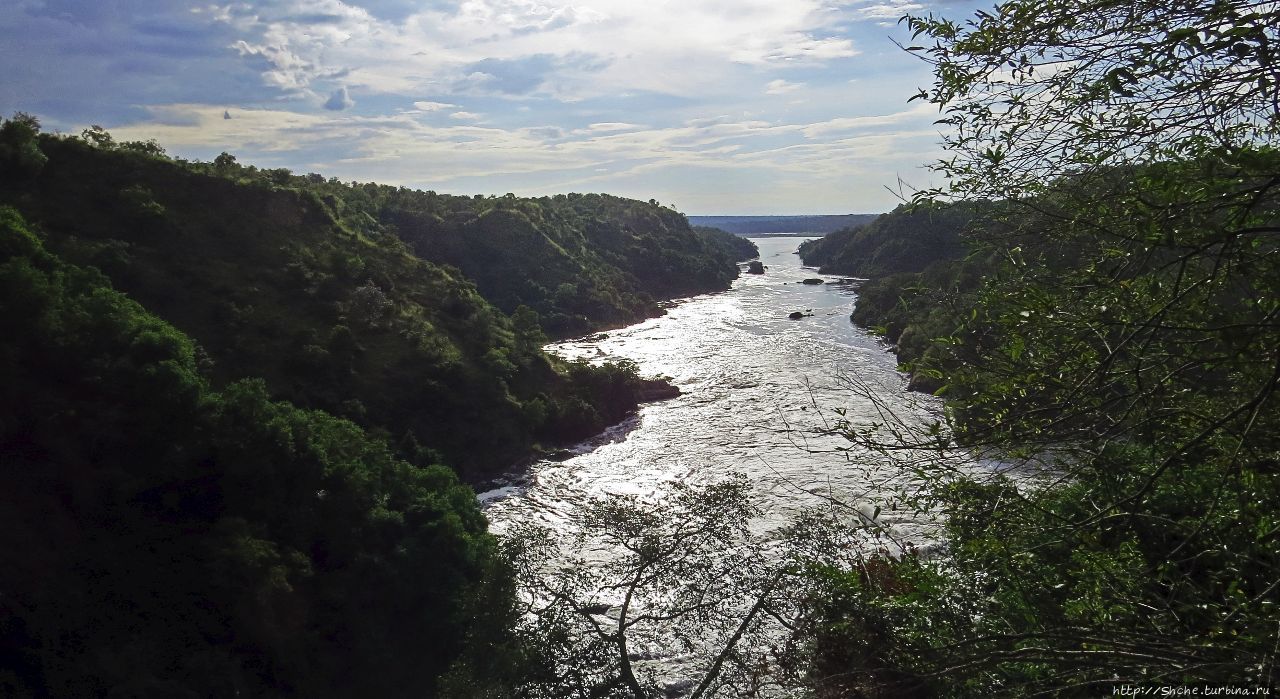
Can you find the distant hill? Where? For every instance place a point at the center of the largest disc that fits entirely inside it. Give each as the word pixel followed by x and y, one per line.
pixel 907 239
pixel 379 304
pixel 792 225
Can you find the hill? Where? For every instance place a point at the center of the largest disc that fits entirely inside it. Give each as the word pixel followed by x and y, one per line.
pixel 907 239
pixel 235 405
pixel 310 285
pixel 790 225
pixel 163 538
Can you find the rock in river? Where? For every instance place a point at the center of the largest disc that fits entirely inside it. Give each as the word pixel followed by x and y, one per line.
pixel 653 390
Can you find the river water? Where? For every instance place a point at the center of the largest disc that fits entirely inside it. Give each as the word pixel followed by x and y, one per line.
pixel 761 396
pixel 760 392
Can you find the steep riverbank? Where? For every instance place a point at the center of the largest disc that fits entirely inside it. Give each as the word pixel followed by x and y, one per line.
pixel 759 394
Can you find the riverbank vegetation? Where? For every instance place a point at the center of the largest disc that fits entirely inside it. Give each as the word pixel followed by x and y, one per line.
pixel 163 538
pixel 417 314
pixel 239 407
pixel 1113 329
pixel 237 403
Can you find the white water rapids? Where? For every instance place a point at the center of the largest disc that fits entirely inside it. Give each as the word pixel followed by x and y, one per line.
pixel 757 391
pixel 760 394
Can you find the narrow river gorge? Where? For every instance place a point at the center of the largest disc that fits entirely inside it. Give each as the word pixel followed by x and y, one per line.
pixel 760 394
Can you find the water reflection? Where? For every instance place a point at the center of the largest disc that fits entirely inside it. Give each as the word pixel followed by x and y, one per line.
pixel 760 393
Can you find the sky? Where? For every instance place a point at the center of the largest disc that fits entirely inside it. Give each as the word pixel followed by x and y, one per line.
pixel 748 107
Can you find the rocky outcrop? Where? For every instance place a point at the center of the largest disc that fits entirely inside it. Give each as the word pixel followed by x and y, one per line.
pixel 755 267
pixel 653 390
pixel 923 383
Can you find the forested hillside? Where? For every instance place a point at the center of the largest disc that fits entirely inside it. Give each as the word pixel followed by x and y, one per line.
pixel 1108 356
pixel 236 404
pixel 294 280
pixel 907 239
pixel 581 261
pixel 162 538
pixel 1130 359
pixel 770 225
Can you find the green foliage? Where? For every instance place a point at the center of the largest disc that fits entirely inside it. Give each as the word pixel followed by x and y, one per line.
pixel 907 239
pixel 163 538
pixel 20 154
pixel 98 137
pixel 299 281
pixel 735 247
pixel 1038 90
pixel 1121 347
pixel 617 256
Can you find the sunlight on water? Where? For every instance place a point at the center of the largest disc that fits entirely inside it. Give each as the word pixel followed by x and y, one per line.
pixel 759 391
pixel 760 394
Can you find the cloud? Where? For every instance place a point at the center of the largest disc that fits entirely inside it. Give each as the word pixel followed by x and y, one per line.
pixel 890 10
pixel 781 87
pixel 920 113
pixel 520 47
pixel 509 76
pixel 524 75
pixel 601 127
pixel 339 100
pixel 538 93
pixel 794 48
pixel 391 149
pixel 432 106
pixel 78 61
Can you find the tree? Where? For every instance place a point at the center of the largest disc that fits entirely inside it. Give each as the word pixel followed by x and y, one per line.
pixel 1121 350
pixel 98 137
pixel 20 145
pixel 368 303
pixel 166 539
pixel 147 147
pixel 1037 91
pixel 225 161
pixel 677 576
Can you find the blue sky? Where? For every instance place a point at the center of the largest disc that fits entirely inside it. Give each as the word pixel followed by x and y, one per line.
pixel 711 106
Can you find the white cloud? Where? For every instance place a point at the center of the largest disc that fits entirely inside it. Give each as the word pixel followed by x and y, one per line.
pixel 432 106
pixel 393 148
pixel 888 10
pixel 781 87
pixel 612 126
pixel 919 113
pixel 672 48
pixel 553 93
pixel 339 100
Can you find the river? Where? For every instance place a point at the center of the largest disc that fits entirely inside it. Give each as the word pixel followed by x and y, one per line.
pixel 760 393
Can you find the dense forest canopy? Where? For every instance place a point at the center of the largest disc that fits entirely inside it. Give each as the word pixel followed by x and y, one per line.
pixel 907 239
pixel 164 538
pixel 765 225
pixel 1114 328
pixel 383 305
pixel 236 404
